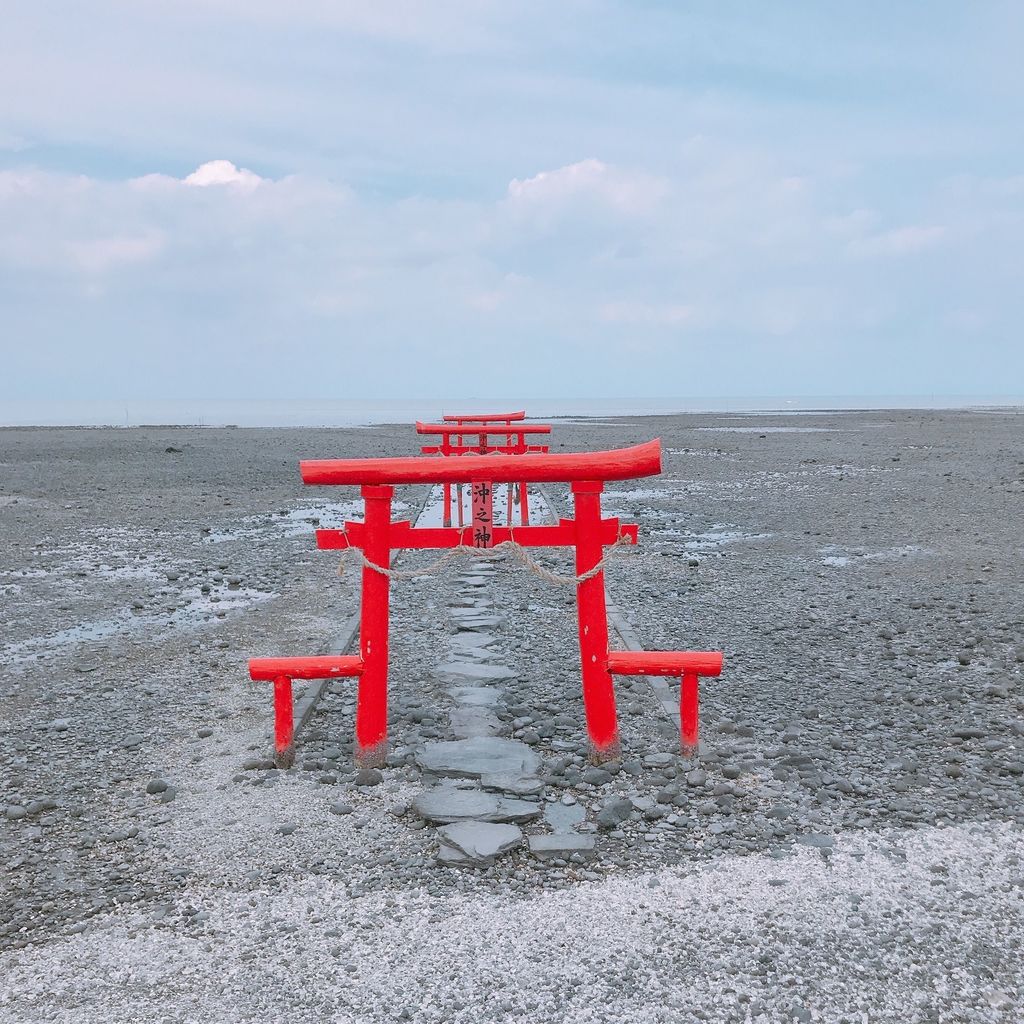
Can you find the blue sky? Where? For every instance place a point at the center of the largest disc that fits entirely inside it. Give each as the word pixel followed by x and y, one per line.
pixel 244 198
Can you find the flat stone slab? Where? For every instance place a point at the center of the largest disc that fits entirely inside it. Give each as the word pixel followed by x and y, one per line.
pixel 563 818
pixel 509 782
pixel 471 640
pixel 468 721
pixel 475 696
pixel 479 755
pixel 485 622
pixel 472 671
pixel 445 804
pixel 480 841
pixel 563 845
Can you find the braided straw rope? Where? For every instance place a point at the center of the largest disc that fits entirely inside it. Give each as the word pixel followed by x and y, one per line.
pixel 489 554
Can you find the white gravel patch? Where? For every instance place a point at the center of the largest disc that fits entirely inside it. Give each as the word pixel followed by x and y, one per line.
pixel 915 926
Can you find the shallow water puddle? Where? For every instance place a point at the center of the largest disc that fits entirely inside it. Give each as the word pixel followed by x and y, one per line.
pixel 718 536
pixel 836 555
pixel 296 522
pixel 196 609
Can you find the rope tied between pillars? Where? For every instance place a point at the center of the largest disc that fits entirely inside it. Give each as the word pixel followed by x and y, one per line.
pixel 521 554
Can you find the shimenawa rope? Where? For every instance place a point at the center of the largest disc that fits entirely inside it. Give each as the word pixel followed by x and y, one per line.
pixel 623 540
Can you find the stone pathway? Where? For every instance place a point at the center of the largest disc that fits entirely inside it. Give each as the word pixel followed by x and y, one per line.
pixel 481 787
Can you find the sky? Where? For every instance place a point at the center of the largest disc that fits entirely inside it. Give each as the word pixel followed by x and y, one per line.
pixel 248 199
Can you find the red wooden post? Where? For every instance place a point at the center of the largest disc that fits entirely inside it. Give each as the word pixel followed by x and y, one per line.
pixel 447 501
pixel 284 725
pixel 458 495
pixel 372 706
pixel 524 505
pixel 689 718
pixel 598 687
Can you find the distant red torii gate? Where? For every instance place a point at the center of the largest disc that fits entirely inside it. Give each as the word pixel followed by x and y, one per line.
pixel 588 533
pixel 483 427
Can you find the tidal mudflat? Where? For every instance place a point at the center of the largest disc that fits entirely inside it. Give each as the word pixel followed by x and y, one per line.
pixel 848 847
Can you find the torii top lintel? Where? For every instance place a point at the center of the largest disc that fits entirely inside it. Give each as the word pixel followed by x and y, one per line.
pixel 492 417
pixel 617 464
pixel 473 430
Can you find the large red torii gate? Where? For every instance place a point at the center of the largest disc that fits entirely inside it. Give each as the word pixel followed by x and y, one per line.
pixel 588 533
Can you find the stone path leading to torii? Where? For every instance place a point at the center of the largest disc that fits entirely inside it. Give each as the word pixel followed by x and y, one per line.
pixel 481 786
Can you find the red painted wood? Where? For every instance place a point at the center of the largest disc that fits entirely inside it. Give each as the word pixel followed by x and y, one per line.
pixel 372 700
pixel 689 715
pixel 618 464
pixel 598 688
pixel 491 417
pixel 665 663
pixel 324 666
pixel 448 429
pixel 487 449
pixel 404 535
pixel 284 725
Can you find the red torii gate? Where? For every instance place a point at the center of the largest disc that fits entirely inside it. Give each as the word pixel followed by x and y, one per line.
pixel 588 533
pixel 483 427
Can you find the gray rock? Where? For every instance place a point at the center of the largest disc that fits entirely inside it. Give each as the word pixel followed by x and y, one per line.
pixel 445 804
pixel 480 841
pixel 478 756
pixel 472 671
pixel 562 845
pixel 471 641
pixel 476 696
pixel 817 841
pixel 467 722
pixel 369 777
pixel 481 622
pixel 564 818
pixel 508 782
pixel 614 813
pixel 340 807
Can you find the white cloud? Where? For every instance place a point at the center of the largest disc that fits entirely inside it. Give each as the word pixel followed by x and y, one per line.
pixel 222 172
pixel 627 191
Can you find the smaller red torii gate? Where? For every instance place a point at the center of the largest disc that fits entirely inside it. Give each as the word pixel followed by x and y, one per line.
pixel 377 536
pixel 483 427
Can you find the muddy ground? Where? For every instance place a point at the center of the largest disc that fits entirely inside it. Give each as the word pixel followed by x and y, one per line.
pixel 847 848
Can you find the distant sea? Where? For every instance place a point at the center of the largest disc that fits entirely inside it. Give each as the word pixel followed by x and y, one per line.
pixel 277 413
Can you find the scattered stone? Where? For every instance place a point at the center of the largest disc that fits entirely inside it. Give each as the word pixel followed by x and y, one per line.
pixel 614 813
pixel 461 671
pixel 817 841
pixel 369 777
pixel 480 842
pixel 444 804
pixel 478 756
pixel 563 817
pixel 561 845
pixel 517 785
